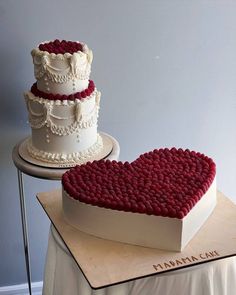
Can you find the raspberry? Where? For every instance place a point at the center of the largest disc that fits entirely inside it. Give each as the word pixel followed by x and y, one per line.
pixel 62 47
pixel 50 96
pixel 171 191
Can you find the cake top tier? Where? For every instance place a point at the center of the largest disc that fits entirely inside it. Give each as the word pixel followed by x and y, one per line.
pixel 164 182
pixel 62 67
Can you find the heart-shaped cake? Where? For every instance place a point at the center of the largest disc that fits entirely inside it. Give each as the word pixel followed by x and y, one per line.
pixel 163 186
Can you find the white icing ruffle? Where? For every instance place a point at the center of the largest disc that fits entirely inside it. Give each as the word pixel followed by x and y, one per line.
pixel 60 68
pixel 78 117
pixel 64 158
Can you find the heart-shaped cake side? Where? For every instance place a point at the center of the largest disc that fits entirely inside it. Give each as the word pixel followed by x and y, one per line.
pixel 164 182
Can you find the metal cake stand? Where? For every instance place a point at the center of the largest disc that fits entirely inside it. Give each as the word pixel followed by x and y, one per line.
pixel 24 167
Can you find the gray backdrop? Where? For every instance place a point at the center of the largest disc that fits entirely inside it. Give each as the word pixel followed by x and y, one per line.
pixel 167 73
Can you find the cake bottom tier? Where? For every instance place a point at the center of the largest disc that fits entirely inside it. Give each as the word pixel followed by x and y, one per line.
pixel 63 131
pixel 139 229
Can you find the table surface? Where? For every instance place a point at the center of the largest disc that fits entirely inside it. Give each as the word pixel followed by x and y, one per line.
pixel 54 173
pixel 105 263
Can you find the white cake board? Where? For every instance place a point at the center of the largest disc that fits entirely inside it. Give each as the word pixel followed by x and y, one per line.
pixel 106 150
pixel 105 263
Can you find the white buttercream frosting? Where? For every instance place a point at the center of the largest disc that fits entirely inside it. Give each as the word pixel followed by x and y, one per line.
pixel 76 157
pixel 166 233
pixel 63 131
pixel 63 117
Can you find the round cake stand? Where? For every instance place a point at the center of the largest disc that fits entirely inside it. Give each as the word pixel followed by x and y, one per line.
pixel 42 173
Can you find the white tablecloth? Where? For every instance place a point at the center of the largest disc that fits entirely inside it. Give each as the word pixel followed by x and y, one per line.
pixel 63 277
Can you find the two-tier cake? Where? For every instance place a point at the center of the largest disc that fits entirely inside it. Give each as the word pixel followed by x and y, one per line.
pixel 63 105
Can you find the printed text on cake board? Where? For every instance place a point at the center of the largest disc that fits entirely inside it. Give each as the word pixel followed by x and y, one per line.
pixel 185 260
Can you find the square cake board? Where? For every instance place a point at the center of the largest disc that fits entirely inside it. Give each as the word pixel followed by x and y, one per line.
pixel 105 263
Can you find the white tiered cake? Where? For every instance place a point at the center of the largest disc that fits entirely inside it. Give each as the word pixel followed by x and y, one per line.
pixel 63 105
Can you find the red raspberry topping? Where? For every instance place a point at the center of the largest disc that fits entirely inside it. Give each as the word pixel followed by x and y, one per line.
pixel 165 182
pixel 61 47
pixel 78 95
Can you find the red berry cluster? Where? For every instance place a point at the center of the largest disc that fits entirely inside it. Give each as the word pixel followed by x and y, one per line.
pixel 78 95
pixel 61 47
pixel 164 182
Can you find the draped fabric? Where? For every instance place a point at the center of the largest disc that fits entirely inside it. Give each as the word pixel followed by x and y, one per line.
pixel 63 277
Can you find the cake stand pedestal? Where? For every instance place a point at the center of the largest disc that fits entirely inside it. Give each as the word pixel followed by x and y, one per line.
pixel 24 167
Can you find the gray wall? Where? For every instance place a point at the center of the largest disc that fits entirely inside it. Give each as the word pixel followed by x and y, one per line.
pixel 167 73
